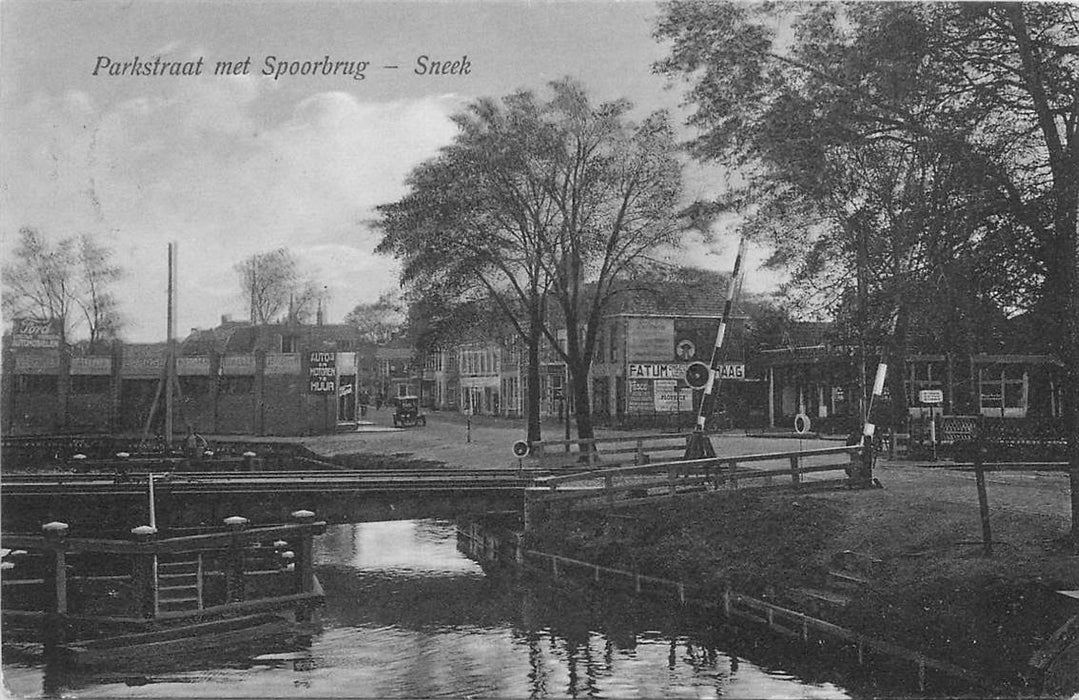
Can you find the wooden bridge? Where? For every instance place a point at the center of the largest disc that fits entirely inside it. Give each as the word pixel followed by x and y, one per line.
pixel 183 498
pixel 827 467
pixel 189 499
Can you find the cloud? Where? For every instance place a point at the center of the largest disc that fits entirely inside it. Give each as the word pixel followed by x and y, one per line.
pixel 218 166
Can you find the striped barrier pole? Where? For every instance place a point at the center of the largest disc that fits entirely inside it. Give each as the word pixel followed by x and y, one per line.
pixel 698 445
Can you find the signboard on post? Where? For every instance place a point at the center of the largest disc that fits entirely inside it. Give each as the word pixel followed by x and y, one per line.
pixel 322 373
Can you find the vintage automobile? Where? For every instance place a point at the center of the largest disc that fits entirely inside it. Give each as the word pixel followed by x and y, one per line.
pixel 406 412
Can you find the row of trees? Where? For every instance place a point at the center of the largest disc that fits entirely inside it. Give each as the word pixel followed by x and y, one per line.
pixel 72 281
pixel 910 162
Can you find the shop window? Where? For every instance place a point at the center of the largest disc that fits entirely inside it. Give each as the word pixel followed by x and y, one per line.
pixel 233 386
pixel 90 384
pixel 192 386
pixel 36 384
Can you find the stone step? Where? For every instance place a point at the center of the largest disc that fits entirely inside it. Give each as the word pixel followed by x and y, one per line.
pixel 845 580
pixel 177 604
pixel 824 598
pixel 177 593
pixel 856 563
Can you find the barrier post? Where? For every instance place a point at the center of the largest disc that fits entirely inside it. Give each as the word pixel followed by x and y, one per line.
pixel 55 584
pixel 143 574
pixel 983 498
pixel 305 561
pixel 234 560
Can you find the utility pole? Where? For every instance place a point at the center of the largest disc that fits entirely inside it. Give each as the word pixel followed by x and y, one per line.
pixel 170 357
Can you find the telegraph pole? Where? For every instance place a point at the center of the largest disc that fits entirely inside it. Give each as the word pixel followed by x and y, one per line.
pixel 170 357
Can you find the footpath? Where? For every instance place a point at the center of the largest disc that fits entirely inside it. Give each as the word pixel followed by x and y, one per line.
pixel 933 588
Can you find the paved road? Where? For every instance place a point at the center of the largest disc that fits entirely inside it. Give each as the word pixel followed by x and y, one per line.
pixel 485 442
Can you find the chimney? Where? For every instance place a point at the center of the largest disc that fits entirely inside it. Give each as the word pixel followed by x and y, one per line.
pixel 225 318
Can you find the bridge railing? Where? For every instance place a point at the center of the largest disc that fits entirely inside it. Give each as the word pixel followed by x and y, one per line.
pixel 828 467
pixel 618 450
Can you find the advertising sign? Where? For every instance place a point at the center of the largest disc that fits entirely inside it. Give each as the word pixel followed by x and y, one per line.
pixel 322 372
pixel 640 396
pixel 667 398
pixel 732 370
pixel 283 363
pixel 238 365
pixel 649 338
pixel 93 366
pixel 198 366
pixel 143 362
pixel 658 370
pixel 38 363
pixel 931 396
pixel 33 333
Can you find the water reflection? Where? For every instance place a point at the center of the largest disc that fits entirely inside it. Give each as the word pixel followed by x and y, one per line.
pixel 407 616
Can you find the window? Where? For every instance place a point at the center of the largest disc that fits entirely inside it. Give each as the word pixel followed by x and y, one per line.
pixel 36 384
pixel 923 375
pixel 90 384
pixel 194 386
pixel 289 343
pixel 231 386
pixel 1003 390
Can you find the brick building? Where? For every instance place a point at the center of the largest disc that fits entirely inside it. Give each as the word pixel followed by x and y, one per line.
pixel 233 379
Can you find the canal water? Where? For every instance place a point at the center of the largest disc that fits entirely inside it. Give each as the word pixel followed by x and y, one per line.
pixel 407 615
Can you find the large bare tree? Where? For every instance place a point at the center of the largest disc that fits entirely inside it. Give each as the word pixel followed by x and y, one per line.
pixel 70 281
pixel 272 284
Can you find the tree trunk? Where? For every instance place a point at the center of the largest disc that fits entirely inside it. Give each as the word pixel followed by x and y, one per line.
pixel 1069 336
pixel 585 429
pixel 897 370
pixel 532 408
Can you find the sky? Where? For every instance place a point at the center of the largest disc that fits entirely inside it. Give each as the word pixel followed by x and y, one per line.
pixel 231 165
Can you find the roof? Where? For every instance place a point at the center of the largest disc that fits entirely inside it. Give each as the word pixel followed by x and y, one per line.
pixel 672 298
pixel 242 337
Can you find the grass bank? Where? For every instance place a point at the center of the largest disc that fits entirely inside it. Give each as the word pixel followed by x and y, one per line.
pixel 934 590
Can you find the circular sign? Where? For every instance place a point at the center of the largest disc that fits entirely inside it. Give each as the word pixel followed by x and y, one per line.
pixel 685 349
pixel 802 424
pixel 697 374
pixel 520 448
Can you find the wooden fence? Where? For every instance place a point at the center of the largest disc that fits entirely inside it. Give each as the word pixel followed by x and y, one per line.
pixel 789 623
pixel 638 449
pixel 626 485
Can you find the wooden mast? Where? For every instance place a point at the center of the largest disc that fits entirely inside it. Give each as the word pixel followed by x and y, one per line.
pixel 170 357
